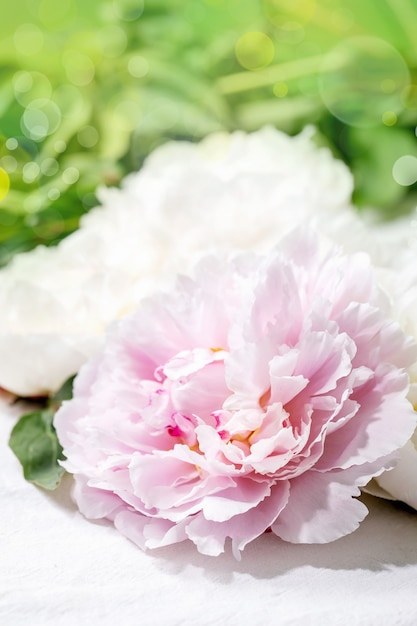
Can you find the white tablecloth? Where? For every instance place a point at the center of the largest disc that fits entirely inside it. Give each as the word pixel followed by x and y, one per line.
pixel 58 568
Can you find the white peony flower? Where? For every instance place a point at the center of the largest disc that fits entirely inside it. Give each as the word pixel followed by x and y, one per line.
pixel 230 192
pixel 395 247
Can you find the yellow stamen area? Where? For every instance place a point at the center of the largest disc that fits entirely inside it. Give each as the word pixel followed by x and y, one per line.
pixel 238 437
pixel 217 349
pixel 265 398
pixel 245 439
pixel 255 432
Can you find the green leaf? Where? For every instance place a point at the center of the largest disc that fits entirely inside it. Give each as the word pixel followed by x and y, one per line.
pixel 64 393
pixel 35 443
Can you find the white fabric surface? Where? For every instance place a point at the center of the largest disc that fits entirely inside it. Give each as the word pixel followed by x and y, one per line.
pixel 58 568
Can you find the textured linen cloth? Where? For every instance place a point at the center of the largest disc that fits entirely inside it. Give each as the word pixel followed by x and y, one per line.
pixel 56 568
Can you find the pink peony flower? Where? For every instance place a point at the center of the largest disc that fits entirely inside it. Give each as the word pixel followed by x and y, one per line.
pixel 260 395
pixel 229 192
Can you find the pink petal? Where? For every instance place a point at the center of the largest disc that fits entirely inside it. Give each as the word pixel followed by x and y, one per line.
pixel 320 509
pixel 95 503
pixel 163 481
pixel 132 526
pixel 384 423
pixel 210 537
pixel 245 495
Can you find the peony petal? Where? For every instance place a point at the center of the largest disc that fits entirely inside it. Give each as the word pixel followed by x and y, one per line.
pixel 202 393
pixel 332 360
pixel 320 509
pixel 95 503
pixel 384 422
pixel 163 481
pixel 132 525
pixel 53 359
pixel 210 537
pixel 245 495
pixel 401 481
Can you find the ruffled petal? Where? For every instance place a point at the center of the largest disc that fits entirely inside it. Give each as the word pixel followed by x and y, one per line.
pixel 321 508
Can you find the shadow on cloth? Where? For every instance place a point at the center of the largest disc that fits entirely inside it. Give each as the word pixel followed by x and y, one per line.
pixel 386 538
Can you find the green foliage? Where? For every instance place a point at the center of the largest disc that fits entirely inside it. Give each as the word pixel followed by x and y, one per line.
pixel 35 442
pixel 64 393
pixel 87 90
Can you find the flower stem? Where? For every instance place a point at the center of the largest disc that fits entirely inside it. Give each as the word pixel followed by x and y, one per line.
pixel 244 81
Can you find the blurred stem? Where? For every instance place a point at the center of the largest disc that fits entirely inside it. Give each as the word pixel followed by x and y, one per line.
pixel 244 81
pixel 284 113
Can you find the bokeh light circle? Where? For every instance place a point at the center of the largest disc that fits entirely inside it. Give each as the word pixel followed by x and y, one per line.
pixel 41 118
pixel 60 146
pixel 49 167
pixel 254 50
pixel 389 118
pixel 138 66
pixel 30 172
pixel 22 82
pixel 79 68
pixel 280 90
pixel 35 124
pixel 53 194
pixel 12 143
pixel 70 175
pixel 29 86
pixel 362 78
pixel 9 163
pixel 88 136
pixel 404 170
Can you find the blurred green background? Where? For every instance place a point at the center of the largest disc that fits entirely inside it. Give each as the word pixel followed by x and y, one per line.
pixel 88 89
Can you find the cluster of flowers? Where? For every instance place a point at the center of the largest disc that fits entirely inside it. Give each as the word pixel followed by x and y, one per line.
pixel 261 391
